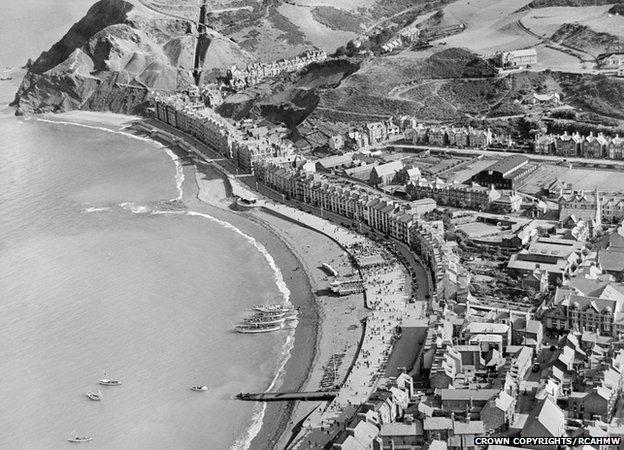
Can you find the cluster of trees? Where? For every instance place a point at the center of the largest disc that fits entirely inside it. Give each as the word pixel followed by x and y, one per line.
pixel 353 48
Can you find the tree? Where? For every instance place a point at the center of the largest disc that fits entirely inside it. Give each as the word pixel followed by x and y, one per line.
pixel 340 51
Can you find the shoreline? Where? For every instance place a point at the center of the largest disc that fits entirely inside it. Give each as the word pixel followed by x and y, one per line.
pixel 291 373
pixel 309 360
pixel 321 332
pixel 268 420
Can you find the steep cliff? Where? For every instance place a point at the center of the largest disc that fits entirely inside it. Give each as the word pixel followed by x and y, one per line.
pixel 114 56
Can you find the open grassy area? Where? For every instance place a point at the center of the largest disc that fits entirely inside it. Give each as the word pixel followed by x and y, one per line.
pixel 338 19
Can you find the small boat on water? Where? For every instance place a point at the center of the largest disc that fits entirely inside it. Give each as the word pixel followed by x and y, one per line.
pixel 76 438
pixel 109 382
pixel 271 308
pixel 259 328
pixel 201 388
pixel 95 396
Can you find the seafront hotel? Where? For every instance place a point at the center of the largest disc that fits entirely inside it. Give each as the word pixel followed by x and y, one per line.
pixel 243 142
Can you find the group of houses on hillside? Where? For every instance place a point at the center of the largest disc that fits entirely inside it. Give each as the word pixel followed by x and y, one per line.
pixel 589 146
pixel 596 206
pixel 254 73
pixel 490 374
pixel 611 63
pixel 443 136
pixel 244 142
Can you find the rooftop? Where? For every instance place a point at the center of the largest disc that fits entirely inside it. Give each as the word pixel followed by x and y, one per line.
pixel 467 394
pixel 508 164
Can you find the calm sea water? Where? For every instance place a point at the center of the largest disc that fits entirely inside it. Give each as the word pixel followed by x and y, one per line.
pixel 94 279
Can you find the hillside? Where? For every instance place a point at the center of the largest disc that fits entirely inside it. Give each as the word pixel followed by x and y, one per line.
pixel 550 3
pixel 112 57
pixel 277 29
pixel 617 9
pixel 396 85
pixel 584 38
pixel 598 94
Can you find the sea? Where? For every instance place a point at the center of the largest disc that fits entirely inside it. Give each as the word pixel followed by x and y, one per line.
pixel 105 273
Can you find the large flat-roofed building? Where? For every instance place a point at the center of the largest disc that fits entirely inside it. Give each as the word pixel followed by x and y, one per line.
pixel 555 256
pixel 506 173
pixel 517 58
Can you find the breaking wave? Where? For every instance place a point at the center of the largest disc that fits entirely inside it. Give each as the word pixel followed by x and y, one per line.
pixel 94 127
pixel 96 209
pixel 136 208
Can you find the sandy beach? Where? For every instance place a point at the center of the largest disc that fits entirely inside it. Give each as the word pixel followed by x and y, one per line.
pixel 326 341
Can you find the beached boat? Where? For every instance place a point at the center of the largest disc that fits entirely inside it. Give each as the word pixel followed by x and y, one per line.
pixel 329 269
pixel 95 396
pixel 201 388
pixel 75 438
pixel 259 328
pixel 261 319
pixel 271 308
pixel 109 382
pixel 271 315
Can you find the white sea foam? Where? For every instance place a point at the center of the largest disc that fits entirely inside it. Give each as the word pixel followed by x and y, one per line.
pixel 135 208
pixel 244 442
pixel 179 173
pixel 96 209
pixel 94 127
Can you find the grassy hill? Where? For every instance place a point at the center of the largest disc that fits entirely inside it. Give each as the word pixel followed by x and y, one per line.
pixel 584 38
pixel 617 9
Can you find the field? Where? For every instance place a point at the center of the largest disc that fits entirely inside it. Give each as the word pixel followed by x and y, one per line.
pixel 489 25
pixel 493 26
pixel 338 19
pixel 315 32
pixel 580 179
